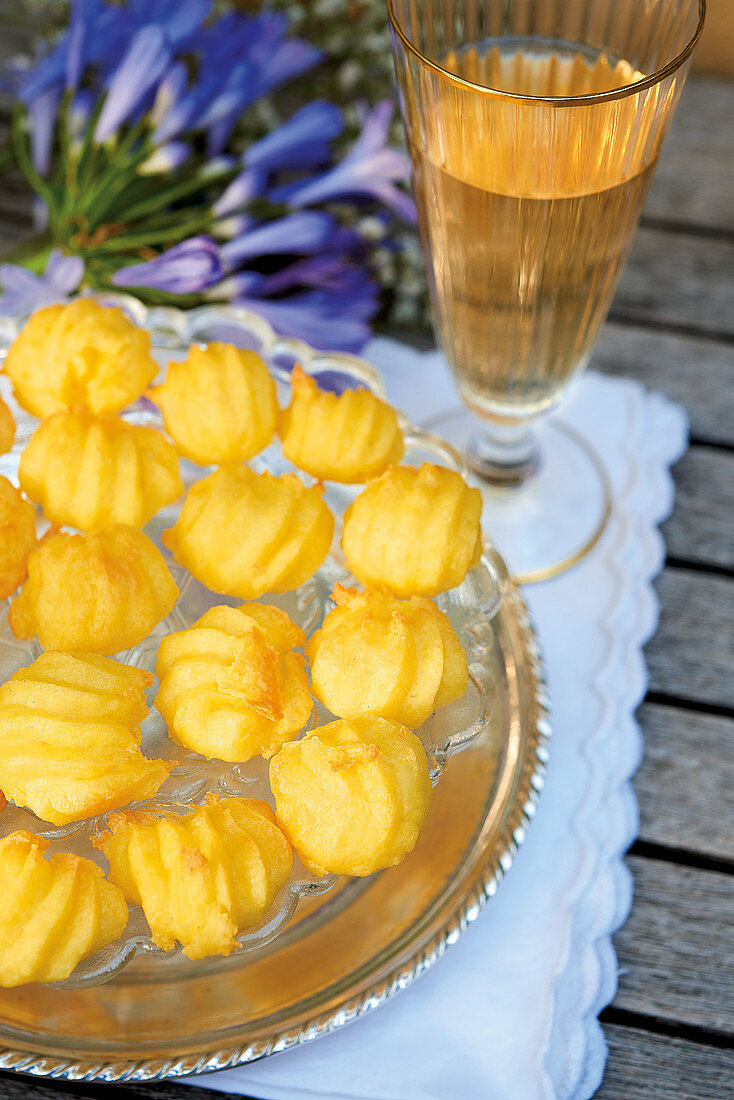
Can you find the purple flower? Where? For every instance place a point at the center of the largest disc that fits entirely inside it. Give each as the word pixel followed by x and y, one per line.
pixel 264 71
pixel 331 322
pixel 141 68
pixel 233 225
pixel 24 292
pixel 166 158
pixel 302 141
pixel 187 268
pixel 75 48
pixel 329 271
pixel 292 58
pixel 180 18
pixel 244 187
pixel 42 119
pixel 369 170
pixel 165 73
pixel 306 232
pixel 170 90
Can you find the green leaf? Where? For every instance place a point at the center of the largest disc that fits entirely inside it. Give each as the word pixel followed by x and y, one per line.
pixel 21 147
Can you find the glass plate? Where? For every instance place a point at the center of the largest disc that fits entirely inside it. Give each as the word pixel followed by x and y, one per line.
pixel 329 949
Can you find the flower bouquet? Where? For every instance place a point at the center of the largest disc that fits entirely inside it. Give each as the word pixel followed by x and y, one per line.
pixel 163 164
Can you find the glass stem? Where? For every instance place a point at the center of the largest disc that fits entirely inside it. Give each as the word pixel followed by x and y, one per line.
pixel 504 454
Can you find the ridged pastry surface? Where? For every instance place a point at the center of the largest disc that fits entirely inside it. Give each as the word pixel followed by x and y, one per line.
pixel 70 737
pixel 219 405
pixel 230 685
pixel 352 796
pixel 17 537
pixel 348 437
pixel 79 354
pixel 101 592
pixel 201 877
pixel 414 531
pixel 244 534
pixel 53 912
pixel 7 428
pixel 375 654
pixel 90 471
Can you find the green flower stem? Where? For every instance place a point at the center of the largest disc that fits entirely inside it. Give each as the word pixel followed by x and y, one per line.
pixel 161 197
pixel 98 202
pixel 21 150
pixel 164 236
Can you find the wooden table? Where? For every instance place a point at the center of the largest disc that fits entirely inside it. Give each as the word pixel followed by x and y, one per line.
pixel 671 1027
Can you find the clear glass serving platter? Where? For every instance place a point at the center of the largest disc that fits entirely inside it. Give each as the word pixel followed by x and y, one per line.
pixel 327 949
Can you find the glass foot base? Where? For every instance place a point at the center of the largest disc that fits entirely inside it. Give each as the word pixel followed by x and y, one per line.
pixel 551 521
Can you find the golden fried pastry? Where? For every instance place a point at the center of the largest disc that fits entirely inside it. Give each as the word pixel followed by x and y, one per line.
pixel 53 912
pixel 201 877
pixel 352 796
pixel 91 471
pixel 348 438
pixel 7 428
pixel 230 687
pixel 243 534
pixel 17 537
pixel 79 354
pixel 378 655
pixel 414 532
pixel 99 593
pixel 70 737
pixel 219 405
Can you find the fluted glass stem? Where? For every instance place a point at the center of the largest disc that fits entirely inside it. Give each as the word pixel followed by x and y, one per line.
pixel 504 454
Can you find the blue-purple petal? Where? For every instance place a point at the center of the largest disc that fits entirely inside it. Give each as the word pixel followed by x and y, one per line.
pixel 304 140
pixel 141 68
pixel 309 317
pixel 166 158
pixel 188 268
pixel 304 232
pixel 169 92
pixel 23 292
pixel 240 191
pixel 64 272
pixel 42 115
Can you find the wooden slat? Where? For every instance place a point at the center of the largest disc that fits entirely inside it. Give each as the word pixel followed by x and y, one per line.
pixel 16 1087
pixel 643 1066
pixel 685 782
pixel 677 279
pixel 700 528
pixel 691 654
pixel 676 951
pixel 693 181
pixel 698 374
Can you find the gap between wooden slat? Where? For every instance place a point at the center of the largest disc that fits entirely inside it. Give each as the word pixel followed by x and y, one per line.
pixel 670 328
pixel 699 441
pixel 687 229
pixel 665 853
pixel 673 562
pixel 684 703
pixel 14 1086
pixel 703 1036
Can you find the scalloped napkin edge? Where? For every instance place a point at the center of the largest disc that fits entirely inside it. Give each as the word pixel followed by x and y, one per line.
pixel 512 1013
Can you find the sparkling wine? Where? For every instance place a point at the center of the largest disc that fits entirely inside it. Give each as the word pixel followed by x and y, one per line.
pixel 527 216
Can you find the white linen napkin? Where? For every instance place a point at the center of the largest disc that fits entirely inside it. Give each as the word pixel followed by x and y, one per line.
pixel 510 1012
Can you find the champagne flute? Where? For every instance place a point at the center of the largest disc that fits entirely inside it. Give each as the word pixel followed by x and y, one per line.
pixel 534 127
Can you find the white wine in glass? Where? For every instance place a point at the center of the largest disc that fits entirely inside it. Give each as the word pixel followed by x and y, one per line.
pixel 533 148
